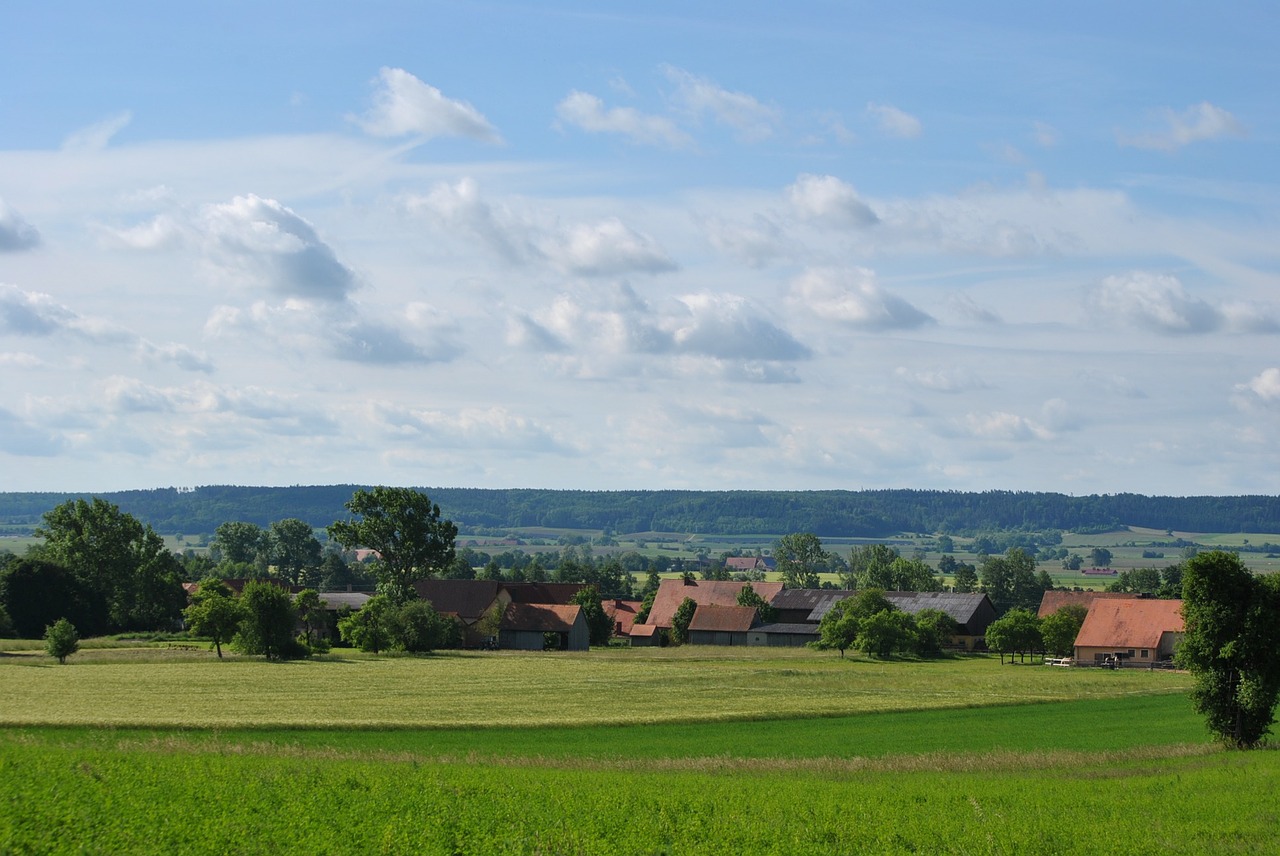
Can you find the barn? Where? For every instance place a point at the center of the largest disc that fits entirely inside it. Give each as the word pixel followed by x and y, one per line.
pixel 721 625
pixel 543 627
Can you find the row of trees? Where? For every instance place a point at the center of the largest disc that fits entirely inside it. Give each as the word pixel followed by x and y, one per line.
pixel 873 625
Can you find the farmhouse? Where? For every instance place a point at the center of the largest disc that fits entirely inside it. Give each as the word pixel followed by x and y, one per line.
pixel 721 625
pixel 1134 630
pixel 472 600
pixel 621 614
pixel 543 626
pixel 1054 600
pixel 671 593
pixel 742 564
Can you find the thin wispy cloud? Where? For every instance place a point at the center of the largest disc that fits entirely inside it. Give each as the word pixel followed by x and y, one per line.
pixel 894 122
pixel 1198 123
pixel 587 112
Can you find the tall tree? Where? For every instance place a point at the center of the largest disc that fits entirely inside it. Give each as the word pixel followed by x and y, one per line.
pixel 238 542
pixel 599 628
pixel 869 567
pixel 1060 629
pixel 680 620
pixel 37 593
pixel 133 581
pixel 269 622
pixel 295 551
pixel 406 530
pixel 1232 645
pixel 800 559
pixel 1010 580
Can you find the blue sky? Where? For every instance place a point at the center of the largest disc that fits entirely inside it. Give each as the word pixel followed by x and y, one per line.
pixel 979 246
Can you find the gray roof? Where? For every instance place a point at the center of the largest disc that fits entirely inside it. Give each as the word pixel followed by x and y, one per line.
pixel 794 629
pixel 964 607
pixel 338 599
pixel 808 599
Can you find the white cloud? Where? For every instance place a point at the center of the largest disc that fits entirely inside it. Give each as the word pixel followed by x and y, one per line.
pixel 894 122
pixel 19 437
pixel 490 428
pixel 1002 425
pixel 266 243
pixel 756 243
pixel 16 234
pixel 948 380
pixel 95 137
pixel 1263 389
pixel 828 200
pixel 586 111
pixel 1155 301
pixel 699 96
pixel 729 326
pixel 966 307
pixel 1197 123
pixel 458 207
pixel 607 248
pixel 403 104
pixel 852 296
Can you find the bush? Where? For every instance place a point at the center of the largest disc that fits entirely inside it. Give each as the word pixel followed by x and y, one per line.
pixel 61 640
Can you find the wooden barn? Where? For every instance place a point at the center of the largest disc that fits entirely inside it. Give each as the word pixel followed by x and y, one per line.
pixel 783 635
pixel 543 627
pixel 721 625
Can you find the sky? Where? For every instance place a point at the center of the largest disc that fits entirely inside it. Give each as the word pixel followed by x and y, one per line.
pixel 854 245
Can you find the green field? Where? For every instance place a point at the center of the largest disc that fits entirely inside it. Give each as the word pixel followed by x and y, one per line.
pixel 692 750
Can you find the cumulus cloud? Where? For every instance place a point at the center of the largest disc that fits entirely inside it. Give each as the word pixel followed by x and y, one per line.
pixel 1002 425
pixel 16 234
pixel 281 414
pixel 265 242
pixel 607 248
pixel 730 326
pixel 403 104
pixel 852 296
pixel 1154 301
pixel 587 112
pixel 894 122
pixel 1264 389
pixel 699 96
pixel 828 200
pixel 471 428
pixel 95 137
pixel 756 243
pixel 1197 123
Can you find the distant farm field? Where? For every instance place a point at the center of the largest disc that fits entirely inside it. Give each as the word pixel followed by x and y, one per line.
pixel 685 751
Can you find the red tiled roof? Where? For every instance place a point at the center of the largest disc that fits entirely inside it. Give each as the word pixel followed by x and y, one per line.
pixel 742 563
pixel 1055 600
pixel 724 619
pixel 1129 622
pixel 468 598
pixel 545 617
pixel 621 614
pixel 643 630
pixel 671 593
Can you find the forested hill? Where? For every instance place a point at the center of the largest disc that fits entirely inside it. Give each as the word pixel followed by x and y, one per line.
pixel 870 513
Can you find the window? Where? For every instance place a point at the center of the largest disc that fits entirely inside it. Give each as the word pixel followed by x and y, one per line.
pixel 1130 652
pixel 1145 653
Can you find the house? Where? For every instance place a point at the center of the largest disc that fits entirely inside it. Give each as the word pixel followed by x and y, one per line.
pixel 743 564
pixel 621 614
pixel 473 600
pixel 721 625
pixel 972 612
pixel 672 592
pixel 543 627
pixel 1134 630
pixel 783 635
pixel 1054 600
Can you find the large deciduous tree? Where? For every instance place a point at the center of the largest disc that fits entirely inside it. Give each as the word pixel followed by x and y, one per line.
pixel 406 530
pixel 1232 645
pixel 800 559
pixel 1059 629
pixel 214 612
pixel 295 551
pixel 269 622
pixel 132 581
pixel 1010 580
pixel 1016 632
pixel 238 542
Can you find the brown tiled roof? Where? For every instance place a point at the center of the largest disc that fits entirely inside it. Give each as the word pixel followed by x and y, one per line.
pixel 468 598
pixel 621 614
pixel 743 563
pixel 544 617
pixel 643 630
pixel 561 593
pixel 671 593
pixel 725 619
pixel 1055 600
pixel 1129 622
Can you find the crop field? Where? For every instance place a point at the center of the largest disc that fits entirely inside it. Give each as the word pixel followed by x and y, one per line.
pixel 154 750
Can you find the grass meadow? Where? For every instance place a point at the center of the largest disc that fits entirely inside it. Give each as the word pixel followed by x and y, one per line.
pixel 692 750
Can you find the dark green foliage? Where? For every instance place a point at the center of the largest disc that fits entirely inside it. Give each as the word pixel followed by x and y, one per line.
pixel 1232 646
pixel 36 593
pixel 214 612
pixel 1016 632
pixel 413 540
pixel 800 559
pixel 294 551
pixel 888 632
pixel 61 640
pixel 238 542
pixel 372 627
pixel 599 628
pixel 680 620
pixel 417 627
pixel 268 624
pixel 1010 581
pixel 765 613
pixel 934 629
pixel 1100 556
pixel 1060 629
pixel 840 626
pixel 131 580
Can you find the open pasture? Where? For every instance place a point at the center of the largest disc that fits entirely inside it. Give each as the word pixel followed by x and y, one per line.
pixel 167 687
pixel 637 752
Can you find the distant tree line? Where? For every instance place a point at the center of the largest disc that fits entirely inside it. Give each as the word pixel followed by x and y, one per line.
pixel 834 513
